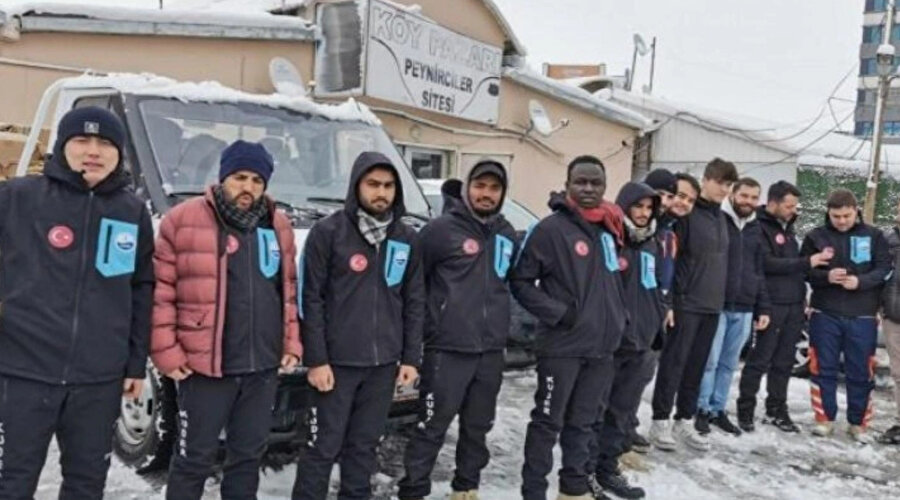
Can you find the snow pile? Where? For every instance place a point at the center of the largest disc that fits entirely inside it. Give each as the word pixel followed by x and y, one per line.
pixel 235 5
pixel 216 17
pixel 148 84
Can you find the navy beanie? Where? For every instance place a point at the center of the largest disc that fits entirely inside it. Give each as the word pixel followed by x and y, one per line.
pixel 89 121
pixel 243 155
pixel 662 179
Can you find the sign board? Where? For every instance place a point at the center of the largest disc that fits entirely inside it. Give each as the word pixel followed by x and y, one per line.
pixel 563 71
pixel 413 61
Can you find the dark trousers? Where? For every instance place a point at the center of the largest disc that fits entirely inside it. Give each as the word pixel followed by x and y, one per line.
pixel 772 354
pixel 239 404
pixel 453 384
pixel 570 395
pixel 645 375
pixel 613 428
pixel 681 365
pixel 855 338
pixel 82 418
pixel 346 422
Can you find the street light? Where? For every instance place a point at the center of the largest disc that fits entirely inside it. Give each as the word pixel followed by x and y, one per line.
pixel 884 62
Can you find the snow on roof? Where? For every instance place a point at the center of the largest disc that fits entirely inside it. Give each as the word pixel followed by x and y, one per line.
pixel 580 98
pixel 149 84
pixel 238 5
pixel 173 15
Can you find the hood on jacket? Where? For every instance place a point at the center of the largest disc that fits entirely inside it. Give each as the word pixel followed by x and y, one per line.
pixel 365 162
pixel 455 191
pixel 614 219
pixel 633 192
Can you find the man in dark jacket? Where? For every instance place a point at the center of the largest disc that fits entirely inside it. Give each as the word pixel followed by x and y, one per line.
pixel 567 275
pixel 845 299
pixel 772 351
pixel 466 254
pixel 224 321
pixel 363 309
pixel 647 309
pixel 698 296
pixel 76 284
pixel 890 325
pixel 745 298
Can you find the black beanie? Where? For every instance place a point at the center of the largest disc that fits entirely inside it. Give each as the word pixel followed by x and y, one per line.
pixel 243 155
pixel 662 179
pixel 89 121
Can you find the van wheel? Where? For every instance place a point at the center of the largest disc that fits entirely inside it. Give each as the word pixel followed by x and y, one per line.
pixel 145 431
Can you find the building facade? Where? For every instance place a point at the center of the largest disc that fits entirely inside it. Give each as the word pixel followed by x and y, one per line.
pixel 866 94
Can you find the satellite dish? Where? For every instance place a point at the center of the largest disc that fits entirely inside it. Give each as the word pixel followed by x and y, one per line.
pixel 540 120
pixel 286 78
pixel 640 45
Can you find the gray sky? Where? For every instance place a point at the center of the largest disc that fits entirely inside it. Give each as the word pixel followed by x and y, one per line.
pixel 773 59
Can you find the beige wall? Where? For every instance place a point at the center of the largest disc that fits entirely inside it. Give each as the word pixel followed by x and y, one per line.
pixel 535 171
pixel 242 64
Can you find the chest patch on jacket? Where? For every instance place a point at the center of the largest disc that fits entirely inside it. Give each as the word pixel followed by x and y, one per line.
pixel 503 250
pixel 648 270
pixel 470 246
pixel 269 252
pixel 581 248
pixel 232 244
pixel 860 249
pixel 779 238
pixel 609 252
pixel 395 263
pixel 60 237
pixel 116 247
pixel 358 263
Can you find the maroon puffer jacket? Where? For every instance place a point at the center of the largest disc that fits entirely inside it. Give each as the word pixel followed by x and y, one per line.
pixel 191 276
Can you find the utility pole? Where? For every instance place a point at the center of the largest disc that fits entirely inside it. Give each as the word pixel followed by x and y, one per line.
pixel 884 60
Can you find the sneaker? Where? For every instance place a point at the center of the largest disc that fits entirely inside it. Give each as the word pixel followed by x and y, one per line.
pixel 617 484
pixel 586 496
pixel 859 434
pixel 782 420
pixel 722 422
pixel 633 461
pixel 464 495
pixel 661 435
pixel 640 444
pixel 596 490
pixel 890 436
pixel 701 422
pixel 745 420
pixel 823 429
pixel 684 431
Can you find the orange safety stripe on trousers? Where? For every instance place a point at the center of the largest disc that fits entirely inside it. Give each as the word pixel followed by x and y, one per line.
pixel 813 361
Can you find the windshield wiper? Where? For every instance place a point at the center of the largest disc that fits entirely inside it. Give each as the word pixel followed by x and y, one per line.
pixel 325 199
pixel 311 212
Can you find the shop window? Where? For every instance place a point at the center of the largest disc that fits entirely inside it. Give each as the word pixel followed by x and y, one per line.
pixel 339 49
pixel 427 163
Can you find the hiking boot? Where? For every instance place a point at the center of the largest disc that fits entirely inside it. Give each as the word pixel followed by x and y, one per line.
pixel 596 490
pixel 859 434
pixel 684 432
pixel 722 422
pixel 823 429
pixel 890 436
pixel 745 420
pixel 701 422
pixel 640 444
pixel 782 420
pixel 617 484
pixel 661 435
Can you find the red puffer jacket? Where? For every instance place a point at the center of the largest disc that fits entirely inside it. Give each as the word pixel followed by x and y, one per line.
pixel 191 275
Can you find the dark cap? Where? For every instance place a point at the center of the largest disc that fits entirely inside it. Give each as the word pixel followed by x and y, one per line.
pixel 662 180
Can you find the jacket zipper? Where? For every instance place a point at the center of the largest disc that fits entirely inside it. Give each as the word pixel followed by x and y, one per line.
pixel 219 249
pixel 81 270
pixel 487 277
pixel 375 305
pixel 252 304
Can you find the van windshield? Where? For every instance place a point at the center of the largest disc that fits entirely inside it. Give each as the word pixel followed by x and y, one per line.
pixel 313 155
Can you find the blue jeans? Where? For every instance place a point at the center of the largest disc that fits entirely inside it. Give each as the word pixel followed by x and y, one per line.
pixel 732 334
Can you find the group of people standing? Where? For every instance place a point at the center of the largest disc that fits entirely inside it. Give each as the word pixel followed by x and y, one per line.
pixel 673 279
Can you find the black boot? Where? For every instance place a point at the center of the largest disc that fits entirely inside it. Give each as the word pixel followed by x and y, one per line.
pixel 781 419
pixel 701 422
pixel 617 484
pixel 596 489
pixel 890 436
pixel 639 444
pixel 745 420
pixel 722 422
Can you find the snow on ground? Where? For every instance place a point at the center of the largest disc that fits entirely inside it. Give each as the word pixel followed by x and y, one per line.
pixel 764 465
